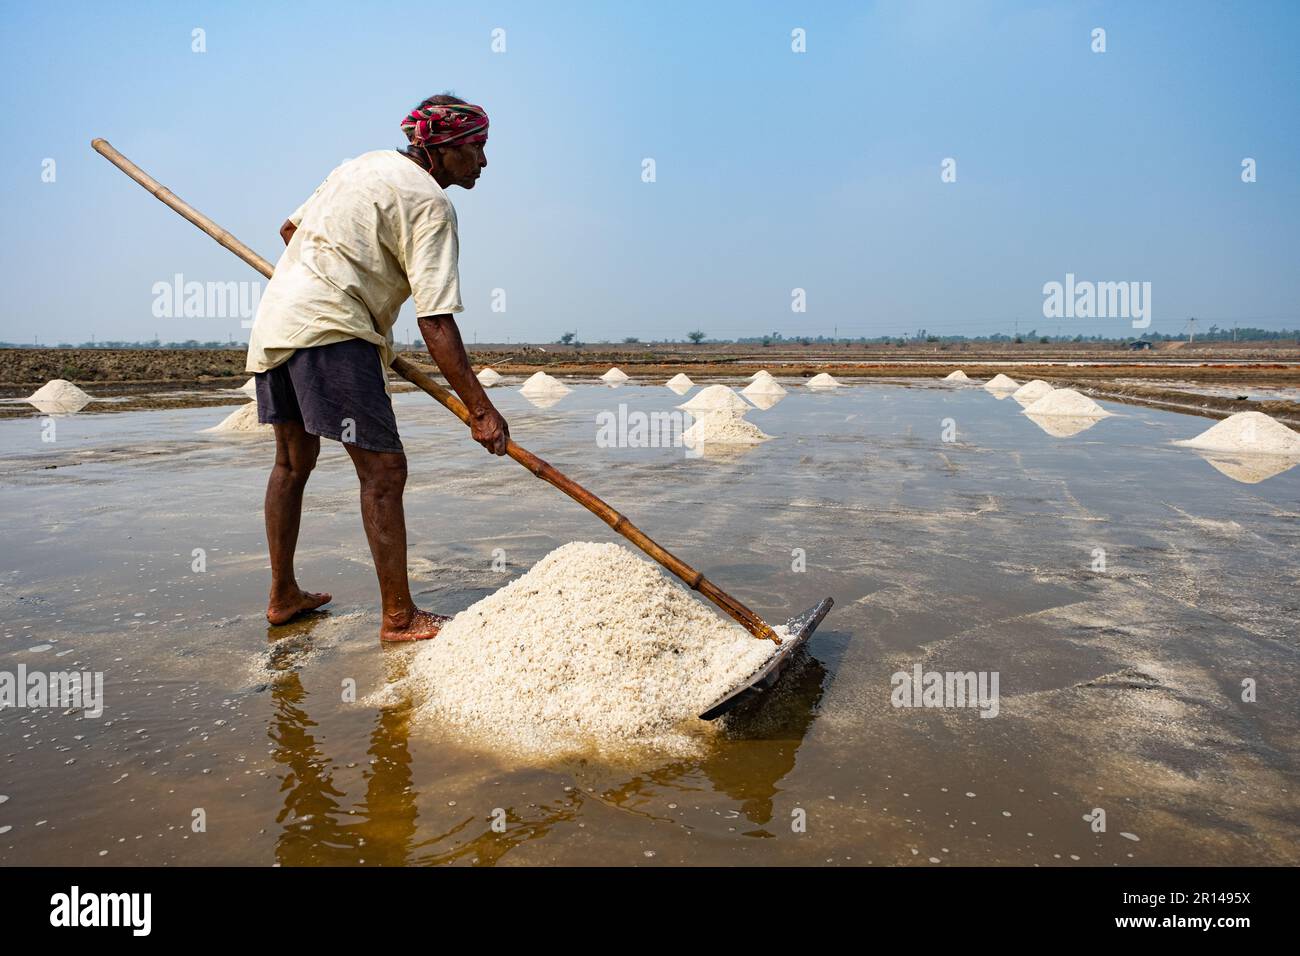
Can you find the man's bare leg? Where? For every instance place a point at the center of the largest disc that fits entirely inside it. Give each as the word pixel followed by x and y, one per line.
pixel 295 457
pixel 383 478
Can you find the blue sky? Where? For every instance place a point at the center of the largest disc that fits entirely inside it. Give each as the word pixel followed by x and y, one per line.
pixel 775 170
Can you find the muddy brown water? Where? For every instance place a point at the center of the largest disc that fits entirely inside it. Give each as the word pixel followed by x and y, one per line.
pixel 225 742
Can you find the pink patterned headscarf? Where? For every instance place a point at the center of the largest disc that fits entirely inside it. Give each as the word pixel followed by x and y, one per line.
pixel 448 124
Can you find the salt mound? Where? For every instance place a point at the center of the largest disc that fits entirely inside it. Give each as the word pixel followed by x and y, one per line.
pixel 249 388
pixel 761 373
pixel 680 383
pixel 489 377
pixel 544 386
pixel 725 426
pixel 58 396
pixel 592 649
pixel 764 386
pixel 1031 391
pixel 824 380
pixel 957 376
pixel 1000 381
pixel 713 398
pixel 615 376
pixel 1068 403
pixel 1252 432
pixel 243 420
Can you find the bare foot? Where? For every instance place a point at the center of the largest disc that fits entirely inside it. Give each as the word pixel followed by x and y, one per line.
pixel 281 611
pixel 419 626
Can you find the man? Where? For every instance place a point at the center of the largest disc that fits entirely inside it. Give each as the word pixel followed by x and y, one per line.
pixel 379 230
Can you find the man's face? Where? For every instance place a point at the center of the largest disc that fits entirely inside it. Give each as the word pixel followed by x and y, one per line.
pixel 463 164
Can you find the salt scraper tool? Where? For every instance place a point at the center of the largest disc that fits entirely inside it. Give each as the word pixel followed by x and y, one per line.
pixel 800 628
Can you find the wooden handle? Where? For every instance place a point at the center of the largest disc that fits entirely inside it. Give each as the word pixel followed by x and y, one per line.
pixel 413 374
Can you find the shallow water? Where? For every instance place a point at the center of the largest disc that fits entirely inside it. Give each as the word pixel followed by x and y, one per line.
pixel 1119 689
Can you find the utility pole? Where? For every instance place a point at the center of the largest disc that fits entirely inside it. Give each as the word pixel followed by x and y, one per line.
pixel 1191 331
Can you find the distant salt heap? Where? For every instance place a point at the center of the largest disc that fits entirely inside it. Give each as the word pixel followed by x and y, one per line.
pixel 615 376
pixel 1003 383
pixel 1066 402
pixel 680 383
pixel 249 388
pixel 726 426
pixel 1249 433
pixel 242 421
pixel 1031 391
pixel 763 386
pixel 489 377
pixel 823 380
pixel 761 373
pixel 957 376
pixel 594 649
pixel 713 398
pixel 541 385
pixel 59 395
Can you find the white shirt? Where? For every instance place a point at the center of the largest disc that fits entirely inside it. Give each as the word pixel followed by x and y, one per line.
pixel 378 231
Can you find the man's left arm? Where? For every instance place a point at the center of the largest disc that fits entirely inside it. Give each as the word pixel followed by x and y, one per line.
pixel 443 340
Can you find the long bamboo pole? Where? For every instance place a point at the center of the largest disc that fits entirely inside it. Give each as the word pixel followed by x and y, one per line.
pixel 413 374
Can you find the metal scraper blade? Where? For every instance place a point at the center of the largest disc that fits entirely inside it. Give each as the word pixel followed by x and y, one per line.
pixel 765 678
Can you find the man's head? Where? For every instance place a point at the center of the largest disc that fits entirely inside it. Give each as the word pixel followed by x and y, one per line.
pixel 450 135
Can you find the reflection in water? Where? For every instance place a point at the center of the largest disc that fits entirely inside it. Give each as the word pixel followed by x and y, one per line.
pixel 1250 469
pixel 317 828
pixel 543 401
pixel 1063 426
pixel 1000 393
pixel 47 407
pixel 681 388
pixel 765 400
pixel 320 828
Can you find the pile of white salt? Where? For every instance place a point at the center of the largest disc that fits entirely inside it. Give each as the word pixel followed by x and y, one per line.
pixel 763 386
pixel 761 373
pixel 541 385
pixel 1031 391
pixel 1248 432
pixel 1003 383
pixel 615 376
pixel 489 377
pixel 594 649
pixel 680 383
pixel 824 380
pixel 713 398
pixel 726 426
pixel 957 376
pixel 249 388
pixel 1066 402
pixel 241 421
pixel 59 395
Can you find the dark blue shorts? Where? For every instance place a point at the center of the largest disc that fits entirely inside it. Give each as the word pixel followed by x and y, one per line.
pixel 337 391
